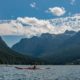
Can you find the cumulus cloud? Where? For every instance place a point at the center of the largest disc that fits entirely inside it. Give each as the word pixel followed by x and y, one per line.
pixel 31 26
pixel 33 5
pixel 57 11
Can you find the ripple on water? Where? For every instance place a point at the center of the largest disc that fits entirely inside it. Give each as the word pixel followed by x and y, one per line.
pixel 54 73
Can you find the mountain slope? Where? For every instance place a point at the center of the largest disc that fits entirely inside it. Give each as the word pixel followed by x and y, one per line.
pixel 8 56
pixel 36 46
pixel 68 51
pixel 54 49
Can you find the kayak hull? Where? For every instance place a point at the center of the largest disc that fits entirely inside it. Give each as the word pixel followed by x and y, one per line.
pixel 29 68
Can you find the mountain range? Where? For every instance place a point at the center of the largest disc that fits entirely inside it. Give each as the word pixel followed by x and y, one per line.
pixel 54 49
pixel 45 49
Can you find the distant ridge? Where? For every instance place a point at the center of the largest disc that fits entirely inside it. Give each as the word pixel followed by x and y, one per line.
pixel 55 49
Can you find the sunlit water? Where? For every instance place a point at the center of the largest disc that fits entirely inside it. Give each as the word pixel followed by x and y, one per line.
pixel 52 73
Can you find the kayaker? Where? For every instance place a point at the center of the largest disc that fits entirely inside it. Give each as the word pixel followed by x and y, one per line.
pixel 34 67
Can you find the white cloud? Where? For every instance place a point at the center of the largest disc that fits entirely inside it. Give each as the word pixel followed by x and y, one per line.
pixel 32 26
pixel 72 2
pixel 57 11
pixel 33 5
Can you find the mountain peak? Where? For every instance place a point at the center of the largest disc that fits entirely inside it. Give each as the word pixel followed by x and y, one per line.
pixel 69 32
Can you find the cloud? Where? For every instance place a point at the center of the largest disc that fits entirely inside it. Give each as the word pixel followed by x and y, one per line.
pixel 33 5
pixel 72 2
pixel 57 11
pixel 31 26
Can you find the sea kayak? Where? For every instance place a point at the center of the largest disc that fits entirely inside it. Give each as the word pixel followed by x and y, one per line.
pixel 29 68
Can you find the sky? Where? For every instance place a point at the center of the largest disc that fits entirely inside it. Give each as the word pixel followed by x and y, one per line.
pixel 27 18
pixel 11 9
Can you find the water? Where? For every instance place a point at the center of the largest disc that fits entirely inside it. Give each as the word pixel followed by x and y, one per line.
pixel 54 73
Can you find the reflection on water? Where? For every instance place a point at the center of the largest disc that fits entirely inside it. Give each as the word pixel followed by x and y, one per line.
pixel 44 73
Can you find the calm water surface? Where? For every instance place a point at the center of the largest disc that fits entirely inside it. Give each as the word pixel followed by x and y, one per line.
pixel 44 73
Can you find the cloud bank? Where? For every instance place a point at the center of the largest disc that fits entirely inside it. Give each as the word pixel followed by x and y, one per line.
pixel 31 26
pixel 57 11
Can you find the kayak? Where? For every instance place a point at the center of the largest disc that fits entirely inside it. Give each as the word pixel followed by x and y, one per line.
pixel 29 68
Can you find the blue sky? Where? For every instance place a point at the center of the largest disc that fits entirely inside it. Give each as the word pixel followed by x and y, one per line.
pixel 15 8
pixel 12 9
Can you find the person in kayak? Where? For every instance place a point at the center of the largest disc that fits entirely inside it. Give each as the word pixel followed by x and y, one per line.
pixel 34 67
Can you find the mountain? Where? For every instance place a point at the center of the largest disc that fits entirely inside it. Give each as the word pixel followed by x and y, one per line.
pixel 37 46
pixel 54 49
pixel 8 56
pixel 68 51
